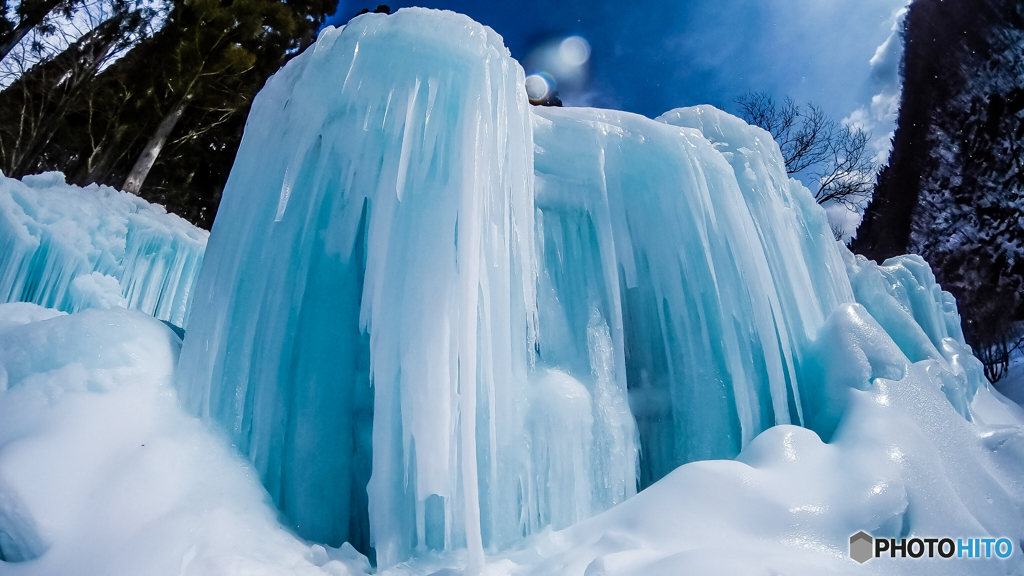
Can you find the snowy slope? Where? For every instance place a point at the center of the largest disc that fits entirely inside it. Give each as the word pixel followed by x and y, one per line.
pixel 102 473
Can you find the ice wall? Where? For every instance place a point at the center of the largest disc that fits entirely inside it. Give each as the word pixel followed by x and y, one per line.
pixel 435 318
pixel 717 269
pixel 74 248
pixel 378 228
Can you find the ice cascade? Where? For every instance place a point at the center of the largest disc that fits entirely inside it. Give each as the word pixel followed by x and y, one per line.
pixel 74 248
pixel 435 318
pixel 392 244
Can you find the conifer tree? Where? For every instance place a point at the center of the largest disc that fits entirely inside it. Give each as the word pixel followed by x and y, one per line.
pixel 166 119
pixel 31 13
pixel 193 82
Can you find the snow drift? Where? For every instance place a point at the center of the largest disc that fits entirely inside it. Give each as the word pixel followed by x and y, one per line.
pixel 102 473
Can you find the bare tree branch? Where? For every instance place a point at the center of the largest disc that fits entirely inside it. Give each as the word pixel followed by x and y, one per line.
pixel 836 158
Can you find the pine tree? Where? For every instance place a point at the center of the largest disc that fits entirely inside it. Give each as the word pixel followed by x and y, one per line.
pixel 166 119
pixel 954 188
pixel 31 14
pixel 194 82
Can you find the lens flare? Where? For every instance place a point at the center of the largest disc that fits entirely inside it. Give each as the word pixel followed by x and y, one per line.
pixel 561 64
pixel 538 86
pixel 574 51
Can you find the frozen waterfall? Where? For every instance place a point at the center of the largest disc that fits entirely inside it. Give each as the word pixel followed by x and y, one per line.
pixel 716 269
pixel 434 317
pixel 72 248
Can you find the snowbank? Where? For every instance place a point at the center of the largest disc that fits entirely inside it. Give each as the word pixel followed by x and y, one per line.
pixel 74 248
pixel 101 470
pixel 907 459
pixel 102 473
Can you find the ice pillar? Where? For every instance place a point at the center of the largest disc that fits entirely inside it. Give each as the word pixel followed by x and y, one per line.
pixel 371 288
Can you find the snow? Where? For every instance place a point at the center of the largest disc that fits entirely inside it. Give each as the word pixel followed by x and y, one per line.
pixel 73 248
pixel 902 463
pixel 437 322
pixel 101 470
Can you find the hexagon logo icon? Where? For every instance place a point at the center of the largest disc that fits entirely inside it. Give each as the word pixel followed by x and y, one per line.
pixel 861 545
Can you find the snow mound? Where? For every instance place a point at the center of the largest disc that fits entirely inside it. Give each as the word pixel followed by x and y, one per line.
pixel 902 463
pixel 73 248
pixel 100 469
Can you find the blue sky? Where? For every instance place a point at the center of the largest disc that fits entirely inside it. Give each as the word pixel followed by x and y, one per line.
pixel 649 56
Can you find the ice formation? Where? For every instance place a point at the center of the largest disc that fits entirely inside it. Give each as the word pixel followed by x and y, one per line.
pixel 437 322
pixel 497 319
pixel 394 239
pixel 74 248
pixel 714 265
pixel 920 446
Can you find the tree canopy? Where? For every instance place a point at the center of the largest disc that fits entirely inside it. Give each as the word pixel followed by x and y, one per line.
pixel 155 110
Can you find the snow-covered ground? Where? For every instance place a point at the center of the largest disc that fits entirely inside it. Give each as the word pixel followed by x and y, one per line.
pixel 101 472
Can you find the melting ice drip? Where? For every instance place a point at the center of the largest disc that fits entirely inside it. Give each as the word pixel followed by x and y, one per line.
pixel 74 248
pixel 436 318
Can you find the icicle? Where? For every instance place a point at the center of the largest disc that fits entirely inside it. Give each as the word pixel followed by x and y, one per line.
pixel 434 288
pixel 73 248
pixel 516 285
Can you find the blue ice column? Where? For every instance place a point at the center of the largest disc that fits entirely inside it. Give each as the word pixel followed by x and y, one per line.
pixel 804 260
pixel 716 281
pixel 368 302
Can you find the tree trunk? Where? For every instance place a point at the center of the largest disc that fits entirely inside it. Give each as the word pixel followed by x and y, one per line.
pixel 156 143
pixel 30 21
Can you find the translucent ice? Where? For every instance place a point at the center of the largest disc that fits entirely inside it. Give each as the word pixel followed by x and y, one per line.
pixel 74 248
pixel 716 269
pixel 396 244
pixel 392 244
pixel 435 319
